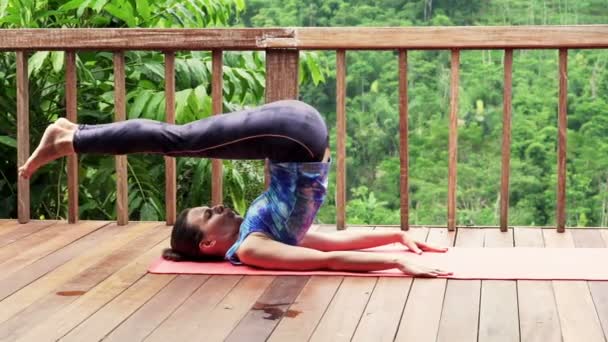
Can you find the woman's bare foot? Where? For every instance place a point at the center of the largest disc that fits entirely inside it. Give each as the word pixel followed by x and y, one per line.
pixel 56 142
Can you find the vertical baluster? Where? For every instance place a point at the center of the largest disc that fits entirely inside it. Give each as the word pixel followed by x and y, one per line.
pixel 341 138
pixel 453 140
pixel 506 140
pixel 561 140
pixel 403 140
pixel 216 95
pixel 23 136
pixel 281 80
pixel 71 108
pixel 170 170
pixel 122 204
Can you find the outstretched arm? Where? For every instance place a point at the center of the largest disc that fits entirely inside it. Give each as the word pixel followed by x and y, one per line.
pixel 260 251
pixel 351 240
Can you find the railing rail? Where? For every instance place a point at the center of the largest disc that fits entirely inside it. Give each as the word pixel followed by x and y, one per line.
pixel 282 47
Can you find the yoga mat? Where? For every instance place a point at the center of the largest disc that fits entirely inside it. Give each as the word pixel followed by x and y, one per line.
pixel 466 263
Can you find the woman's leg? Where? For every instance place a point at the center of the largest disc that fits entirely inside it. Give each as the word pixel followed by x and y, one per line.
pixel 287 130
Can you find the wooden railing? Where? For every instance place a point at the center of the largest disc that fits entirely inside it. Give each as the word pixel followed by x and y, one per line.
pixel 282 47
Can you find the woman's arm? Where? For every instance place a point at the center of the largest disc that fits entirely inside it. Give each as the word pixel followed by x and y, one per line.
pixel 350 240
pixel 261 251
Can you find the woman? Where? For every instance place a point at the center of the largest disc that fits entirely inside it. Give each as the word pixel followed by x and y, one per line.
pixel 274 232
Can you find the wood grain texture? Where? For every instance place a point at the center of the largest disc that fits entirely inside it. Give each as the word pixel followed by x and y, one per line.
pixel 506 140
pixel 170 168
pixel 269 309
pixel 456 37
pixel 98 325
pixel 562 129
pixel 307 309
pixel 62 322
pixel 592 238
pixel 43 285
pixel 578 318
pixel 344 312
pixel 282 66
pixel 422 312
pixel 460 314
pixel 313 38
pixel 453 140
pixel 341 139
pixel 155 311
pixel 382 314
pixel 120 105
pixel 217 87
pixel 71 108
pixel 80 285
pixel 21 278
pixel 11 232
pixel 23 136
pixel 498 309
pixel 40 245
pixel 140 39
pixel 403 141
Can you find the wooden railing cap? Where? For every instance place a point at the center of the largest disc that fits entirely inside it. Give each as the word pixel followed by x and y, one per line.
pixel 308 38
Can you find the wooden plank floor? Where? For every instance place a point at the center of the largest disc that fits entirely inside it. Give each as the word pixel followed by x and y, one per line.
pixel 88 282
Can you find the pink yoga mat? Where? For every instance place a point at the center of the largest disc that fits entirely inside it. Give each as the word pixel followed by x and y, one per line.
pixel 466 263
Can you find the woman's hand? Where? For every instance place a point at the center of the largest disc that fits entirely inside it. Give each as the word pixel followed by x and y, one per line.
pixel 419 247
pixel 418 270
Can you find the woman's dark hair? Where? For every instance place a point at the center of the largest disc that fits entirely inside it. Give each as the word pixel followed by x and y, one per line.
pixel 185 240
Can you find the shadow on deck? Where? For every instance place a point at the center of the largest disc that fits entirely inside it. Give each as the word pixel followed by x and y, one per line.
pixel 88 281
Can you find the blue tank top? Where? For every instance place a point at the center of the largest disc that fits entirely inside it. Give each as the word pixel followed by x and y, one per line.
pixel 287 209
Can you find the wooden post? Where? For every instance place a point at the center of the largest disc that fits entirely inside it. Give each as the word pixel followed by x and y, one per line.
pixel 281 80
pixel 561 140
pixel 403 141
pixel 341 139
pixel 170 172
pixel 453 141
pixel 216 96
pixel 23 136
pixel 122 203
pixel 506 140
pixel 71 109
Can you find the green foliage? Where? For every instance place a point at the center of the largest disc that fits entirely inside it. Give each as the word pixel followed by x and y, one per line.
pixel 372 110
pixel 244 82
pixel 373 120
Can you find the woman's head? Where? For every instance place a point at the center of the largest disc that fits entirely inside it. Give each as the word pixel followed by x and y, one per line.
pixel 203 233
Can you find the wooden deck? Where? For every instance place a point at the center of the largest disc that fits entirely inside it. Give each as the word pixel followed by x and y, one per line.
pixel 88 282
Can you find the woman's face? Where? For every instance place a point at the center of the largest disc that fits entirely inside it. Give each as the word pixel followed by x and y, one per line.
pixel 220 226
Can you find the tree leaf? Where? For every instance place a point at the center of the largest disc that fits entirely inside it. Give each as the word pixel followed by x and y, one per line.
pixel 8 141
pixel 143 8
pixel 82 7
pixel 140 102
pixel 148 212
pixel 57 58
pixel 70 5
pixel 36 61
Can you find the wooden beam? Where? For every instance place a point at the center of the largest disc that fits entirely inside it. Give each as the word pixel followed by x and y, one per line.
pixel 454 37
pixel 170 172
pixel 23 136
pixel 71 109
pixel 506 140
pixel 403 141
pixel 309 38
pixel 114 39
pixel 341 138
pixel 216 95
pixel 561 140
pixel 281 80
pixel 453 141
pixel 122 201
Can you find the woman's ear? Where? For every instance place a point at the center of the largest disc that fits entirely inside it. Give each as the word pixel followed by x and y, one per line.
pixel 206 244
